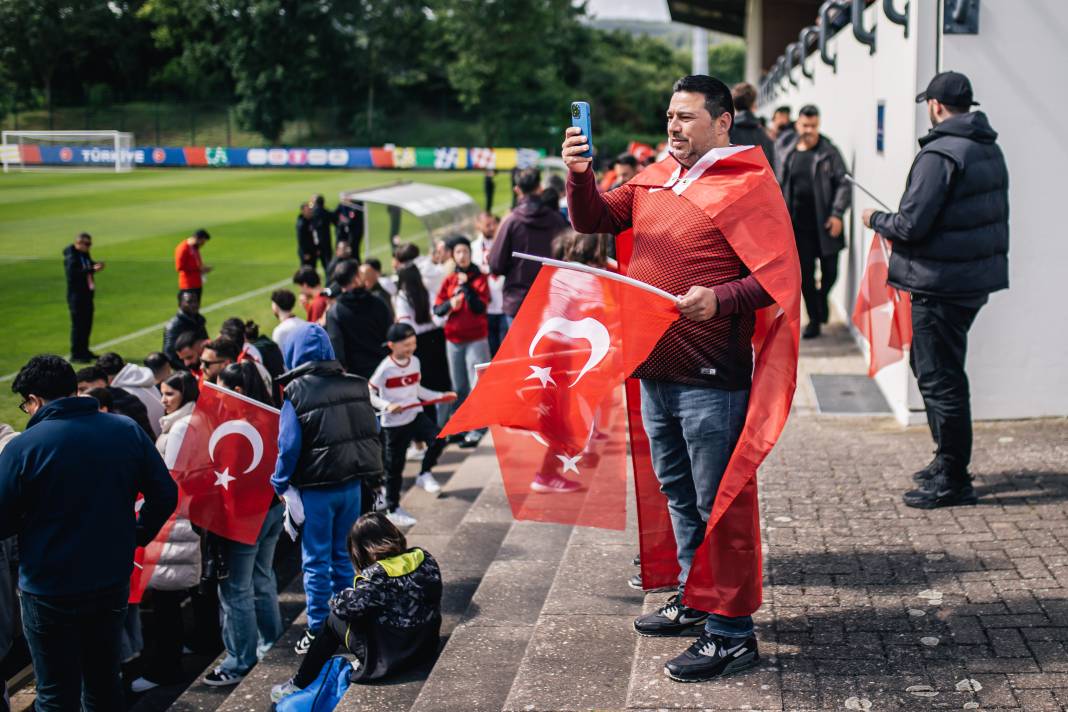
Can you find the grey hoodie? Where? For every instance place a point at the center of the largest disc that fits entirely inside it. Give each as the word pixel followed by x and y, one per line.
pixel 138 381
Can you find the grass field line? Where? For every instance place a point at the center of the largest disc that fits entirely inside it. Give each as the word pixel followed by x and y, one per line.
pixel 155 327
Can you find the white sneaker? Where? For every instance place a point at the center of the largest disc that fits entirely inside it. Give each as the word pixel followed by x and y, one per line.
pixel 427 482
pixel 142 685
pixel 380 500
pixel 415 453
pixel 285 689
pixel 401 518
pixel 554 484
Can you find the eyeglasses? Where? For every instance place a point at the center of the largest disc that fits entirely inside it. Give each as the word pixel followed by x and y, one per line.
pixel 24 406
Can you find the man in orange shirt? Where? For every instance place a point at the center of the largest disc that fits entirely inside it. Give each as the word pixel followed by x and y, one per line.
pixel 189 265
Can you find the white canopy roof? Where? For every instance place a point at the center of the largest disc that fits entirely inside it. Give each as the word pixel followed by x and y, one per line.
pixel 441 209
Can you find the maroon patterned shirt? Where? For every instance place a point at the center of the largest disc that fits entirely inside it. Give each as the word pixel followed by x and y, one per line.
pixel 677 246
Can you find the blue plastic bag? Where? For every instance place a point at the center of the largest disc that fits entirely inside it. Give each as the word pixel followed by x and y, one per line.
pixel 324 693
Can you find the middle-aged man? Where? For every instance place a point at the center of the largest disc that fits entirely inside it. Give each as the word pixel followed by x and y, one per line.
pixel 217 355
pixel 781 125
pixel 746 130
pixel 190 265
pixel 812 174
pixel 530 228
pixel 189 319
pixel 357 324
pixel 68 486
pixel 950 241
pixel 81 287
pixel 307 238
pixel 695 383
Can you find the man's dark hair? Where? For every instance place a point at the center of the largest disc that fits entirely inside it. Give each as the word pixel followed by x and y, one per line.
pixel 717 95
pixel 156 360
pixel 185 383
pixel 455 240
pixel 406 252
pixel 47 377
pixel 374 263
pixel 627 159
pixel 346 272
pixel 319 200
pixel 202 234
pixel 103 398
pixel 373 538
pixel 528 181
pixel 810 111
pixel 112 363
pixel 744 96
pixel 233 329
pixel 224 348
pixel 784 109
pixel 284 298
pixel 307 277
pixel 90 374
pixel 188 295
pixel 83 236
pixel 185 340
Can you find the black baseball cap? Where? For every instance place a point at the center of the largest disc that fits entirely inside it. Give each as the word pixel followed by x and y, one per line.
pixel 951 88
pixel 399 332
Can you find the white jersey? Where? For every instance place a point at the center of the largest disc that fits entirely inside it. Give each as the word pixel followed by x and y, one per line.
pixel 480 250
pixel 395 383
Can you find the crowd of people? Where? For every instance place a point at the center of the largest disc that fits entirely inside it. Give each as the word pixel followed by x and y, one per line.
pixel 366 378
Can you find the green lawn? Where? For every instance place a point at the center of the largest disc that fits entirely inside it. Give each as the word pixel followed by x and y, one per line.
pixel 136 220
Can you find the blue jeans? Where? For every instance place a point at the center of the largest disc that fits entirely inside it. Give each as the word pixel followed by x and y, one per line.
pixel 692 432
pixel 498 329
pixel 462 360
pixel 249 597
pixel 328 515
pixel 74 643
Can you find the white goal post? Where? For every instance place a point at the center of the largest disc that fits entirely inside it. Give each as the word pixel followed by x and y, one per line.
pixel 52 150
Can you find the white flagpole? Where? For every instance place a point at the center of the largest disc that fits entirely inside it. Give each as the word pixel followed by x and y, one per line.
pixel 579 267
pixel 868 193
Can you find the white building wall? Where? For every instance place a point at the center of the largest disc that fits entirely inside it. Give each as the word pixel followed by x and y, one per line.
pixel 1019 344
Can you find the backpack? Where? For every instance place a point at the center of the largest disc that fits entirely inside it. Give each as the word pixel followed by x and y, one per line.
pixel 324 693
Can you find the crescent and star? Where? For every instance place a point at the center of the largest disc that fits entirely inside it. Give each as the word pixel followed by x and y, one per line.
pixel 235 427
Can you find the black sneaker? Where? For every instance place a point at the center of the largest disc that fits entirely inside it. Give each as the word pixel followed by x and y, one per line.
pixel 713 656
pixel 637 560
pixel 939 493
pixel 635 582
pixel 672 618
pixel 811 331
pixel 220 678
pixel 927 473
pixel 305 643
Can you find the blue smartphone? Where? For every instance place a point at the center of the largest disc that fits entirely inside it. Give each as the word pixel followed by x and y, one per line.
pixel 580 116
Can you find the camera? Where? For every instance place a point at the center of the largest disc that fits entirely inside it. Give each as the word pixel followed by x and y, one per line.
pixel 575 111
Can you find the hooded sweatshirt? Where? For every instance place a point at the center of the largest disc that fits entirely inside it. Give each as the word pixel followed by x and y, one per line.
pixel 357 327
pixel 530 228
pixel 139 381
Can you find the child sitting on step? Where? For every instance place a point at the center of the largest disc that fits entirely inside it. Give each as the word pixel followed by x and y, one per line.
pixel 390 618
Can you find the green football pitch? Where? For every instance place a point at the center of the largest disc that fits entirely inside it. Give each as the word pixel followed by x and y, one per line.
pixel 136 220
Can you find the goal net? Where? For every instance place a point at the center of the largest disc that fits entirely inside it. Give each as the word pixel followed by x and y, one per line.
pixel 61 150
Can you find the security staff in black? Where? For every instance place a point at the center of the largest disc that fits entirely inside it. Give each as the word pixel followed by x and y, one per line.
pixel 950 251
pixel 81 286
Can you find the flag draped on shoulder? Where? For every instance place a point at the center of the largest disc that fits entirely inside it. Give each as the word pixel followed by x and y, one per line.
pixel 882 314
pixel 553 387
pixel 738 191
pixel 224 466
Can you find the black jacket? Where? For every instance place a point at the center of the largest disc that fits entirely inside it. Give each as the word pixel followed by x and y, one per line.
pixel 951 233
pixel 306 244
pixel 339 432
pixel 357 326
pixel 394 608
pixel 321 221
pixel 832 190
pixel 530 228
pixel 78 266
pixel 747 131
pixel 178 325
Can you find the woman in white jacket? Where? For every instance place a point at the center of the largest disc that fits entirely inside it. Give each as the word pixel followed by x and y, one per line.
pixel 178 568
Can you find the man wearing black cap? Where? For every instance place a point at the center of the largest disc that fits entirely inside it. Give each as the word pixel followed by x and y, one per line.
pixel 950 250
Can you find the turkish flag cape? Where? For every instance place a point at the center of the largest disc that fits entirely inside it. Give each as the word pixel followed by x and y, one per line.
pixel 576 338
pixel 225 464
pixel 882 314
pixel 740 194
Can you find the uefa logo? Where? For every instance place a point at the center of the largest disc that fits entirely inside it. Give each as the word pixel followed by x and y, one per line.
pixel 65 154
pixel 159 155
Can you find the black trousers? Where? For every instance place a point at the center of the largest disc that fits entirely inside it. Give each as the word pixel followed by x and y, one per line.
pixel 396 444
pixel 334 633
pixel 81 322
pixel 939 347
pixel 810 255
pixel 164 657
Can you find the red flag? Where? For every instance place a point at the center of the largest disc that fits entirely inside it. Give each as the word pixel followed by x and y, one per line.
pixel 598 472
pixel 225 463
pixel 147 558
pixel 567 350
pixel 640 151
pixel 740 193
pixel 882 314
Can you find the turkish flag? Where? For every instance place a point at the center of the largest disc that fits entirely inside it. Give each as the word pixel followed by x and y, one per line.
pixel 147 558
pixel 882 314
pixel 576 338
pixel 740 193
pixel 225 464
pixel 599 469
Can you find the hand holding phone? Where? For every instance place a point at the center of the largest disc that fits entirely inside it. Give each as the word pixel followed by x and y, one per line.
pixel 577 149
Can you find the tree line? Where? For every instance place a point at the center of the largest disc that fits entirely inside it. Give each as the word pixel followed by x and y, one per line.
pixel 510 66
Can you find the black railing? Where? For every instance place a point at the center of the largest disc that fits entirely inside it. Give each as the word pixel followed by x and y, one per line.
pixel 864 36
pixel 898 18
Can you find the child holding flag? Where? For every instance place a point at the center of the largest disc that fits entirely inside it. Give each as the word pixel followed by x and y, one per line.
pixel 400 395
